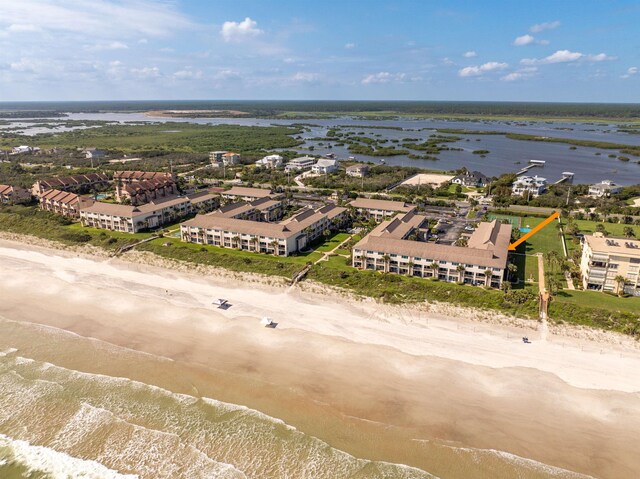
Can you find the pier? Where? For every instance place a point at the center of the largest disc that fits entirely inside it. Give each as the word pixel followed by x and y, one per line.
pixel 567 177
pixel 527 168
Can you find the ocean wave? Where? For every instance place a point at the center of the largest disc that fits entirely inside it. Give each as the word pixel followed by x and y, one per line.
pixel 56 465
pixel 131 426
pixel 480 455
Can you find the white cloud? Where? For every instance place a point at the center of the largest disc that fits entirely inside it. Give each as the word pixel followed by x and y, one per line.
pixel 106 46
pixel 187 74
pixel 600 57
pixel 305 77
pixel 540 27
pixel 481 69
pixel 22 28
pixel 630 72
pixel 520 74
pixel 524 40
pixel 448 61
pixel 146 72
pixel 561 56
pixel 24 65
pixel 349 46
pixel 227 74
pixel 383 77
pixel 470 54
pixel 98 18
pixel 240 31
pixel 289 60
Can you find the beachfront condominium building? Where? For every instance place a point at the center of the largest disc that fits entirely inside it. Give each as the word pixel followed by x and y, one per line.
pixel 14 195
pixel 264 209
pixel 604 189
pixel 241 193
pixel 75 183
pixel 132 219
pixel 399 246
pixel 529 186
pixel 64 203
pixel 300 163
pixel 380 209
pixel 610 264
pixel 139 187
pixel 283 239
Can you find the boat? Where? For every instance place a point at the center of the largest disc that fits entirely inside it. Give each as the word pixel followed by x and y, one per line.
pixel 351 158
pixel 537 162
pixel 383 161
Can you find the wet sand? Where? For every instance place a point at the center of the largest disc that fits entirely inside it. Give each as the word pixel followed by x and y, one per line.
pixel 414 391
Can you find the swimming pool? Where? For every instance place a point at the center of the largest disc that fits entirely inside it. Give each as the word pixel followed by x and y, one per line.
pixel 525 230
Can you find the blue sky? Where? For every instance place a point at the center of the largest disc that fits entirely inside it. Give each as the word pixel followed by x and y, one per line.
pixel 363 50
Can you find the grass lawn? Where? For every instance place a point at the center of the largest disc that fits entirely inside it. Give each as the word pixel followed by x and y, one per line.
pixel 112 234
pixel 332 242
pixel 545 240
pixel 614 229
pixel 596 299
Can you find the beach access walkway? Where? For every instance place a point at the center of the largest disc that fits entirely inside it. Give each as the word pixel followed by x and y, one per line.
pixel 326 255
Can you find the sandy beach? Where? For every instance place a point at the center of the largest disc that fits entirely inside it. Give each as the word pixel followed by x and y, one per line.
pixel 405 385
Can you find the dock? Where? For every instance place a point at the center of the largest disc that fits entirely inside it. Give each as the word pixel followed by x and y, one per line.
pixel 567 177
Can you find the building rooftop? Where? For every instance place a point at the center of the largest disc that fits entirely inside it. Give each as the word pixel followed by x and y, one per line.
pixel 615 246
pixel 244 191
pixel 387 205
pixel 487 245
pixel 283 230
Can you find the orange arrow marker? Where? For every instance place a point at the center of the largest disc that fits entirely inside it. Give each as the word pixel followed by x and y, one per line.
pixel 548 220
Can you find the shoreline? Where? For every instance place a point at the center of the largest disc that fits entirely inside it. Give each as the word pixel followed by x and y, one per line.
pixel 345 372
pixel 320 292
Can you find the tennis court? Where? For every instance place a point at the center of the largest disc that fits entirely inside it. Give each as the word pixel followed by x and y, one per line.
pixel 514 220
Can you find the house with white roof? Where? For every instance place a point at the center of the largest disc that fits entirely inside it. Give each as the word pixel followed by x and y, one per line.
pixel 605 189
pixel 270 161
pixel 325 166
pixel 300 163
pixel 530 186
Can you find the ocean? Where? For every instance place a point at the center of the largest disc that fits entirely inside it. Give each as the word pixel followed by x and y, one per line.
pixel 66 422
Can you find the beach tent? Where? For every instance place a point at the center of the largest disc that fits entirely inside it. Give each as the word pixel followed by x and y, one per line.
pixel 266 321
pixel 220 302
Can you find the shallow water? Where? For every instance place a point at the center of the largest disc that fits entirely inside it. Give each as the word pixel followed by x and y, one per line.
pixel 590 165
pixel 59 422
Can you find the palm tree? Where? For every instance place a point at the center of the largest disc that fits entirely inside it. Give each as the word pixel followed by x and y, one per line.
pixel 275 245
pixel 488 274
pixel 434 267
pixel 628 232
pixel 461 269
pixel 386 258
pixel 619 280
pixel 512 268
pixel 554 285
pixel 235 241
pixel 410 270
pixel 255 242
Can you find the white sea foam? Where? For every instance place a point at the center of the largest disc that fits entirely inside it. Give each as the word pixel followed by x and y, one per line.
pixel 520 461
pixel 7 352
pixel 56 464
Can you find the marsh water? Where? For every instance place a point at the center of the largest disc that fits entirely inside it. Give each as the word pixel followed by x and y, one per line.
pixel 590 165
